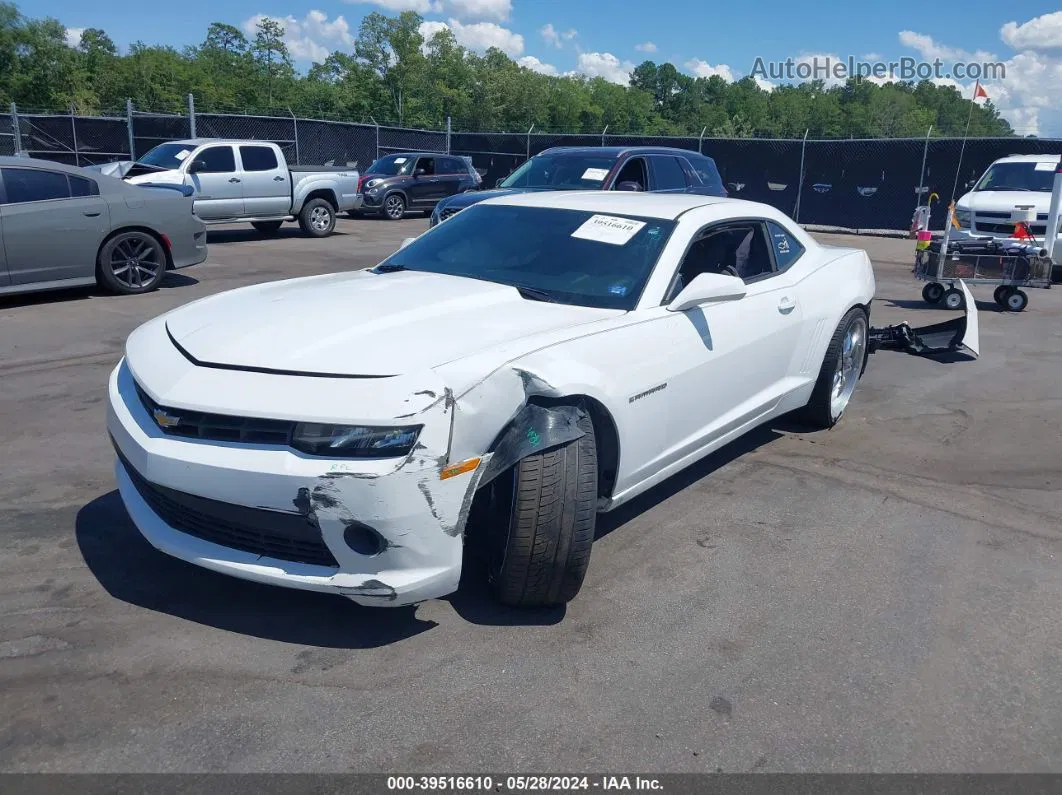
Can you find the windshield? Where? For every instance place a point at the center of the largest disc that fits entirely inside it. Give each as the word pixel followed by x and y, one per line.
pixel 1018 176
pixel 392 165
pixel 561 172
pixel 563 256
pixel 167 155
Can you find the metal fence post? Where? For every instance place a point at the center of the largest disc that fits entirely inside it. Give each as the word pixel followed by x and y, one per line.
pixel 15 129
pixel 529 141
pixel 700 140
pixel 129 124
pixel 377 125
pixel 922 175
pixel 191 114
pixel 73 132
pixel 603 135
pixel 448 129
pixel 295 122
pixel 800 184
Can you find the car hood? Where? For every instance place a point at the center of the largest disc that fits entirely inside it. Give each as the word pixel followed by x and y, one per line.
pixel 362 323
pixel 1003 201
pixel 462 200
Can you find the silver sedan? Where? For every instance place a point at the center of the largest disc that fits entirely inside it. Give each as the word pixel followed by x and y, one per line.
pixel 62 226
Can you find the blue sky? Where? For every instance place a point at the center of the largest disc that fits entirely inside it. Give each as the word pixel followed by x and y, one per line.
pixel 608 37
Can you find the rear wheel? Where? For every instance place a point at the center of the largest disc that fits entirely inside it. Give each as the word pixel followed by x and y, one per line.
pixel 999 295
pixel 267 227
pixel 131 263
pixel 539 544
pixel 932 293
pixel 318 218
pixel 840 372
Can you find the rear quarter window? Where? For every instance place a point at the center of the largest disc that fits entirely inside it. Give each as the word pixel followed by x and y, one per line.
pixel 787 249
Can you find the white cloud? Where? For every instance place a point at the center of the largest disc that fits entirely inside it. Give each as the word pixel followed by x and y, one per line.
pixel 647 46
pixel 480 36
pixel 765 85
pixel 481 9
pixel 552 36
pixel 929 49
pixel 398 6
pixel 699 68
pixel 1039 33
pixel 535 65
pixel 606 65
pixel 313 38
pixel 73 36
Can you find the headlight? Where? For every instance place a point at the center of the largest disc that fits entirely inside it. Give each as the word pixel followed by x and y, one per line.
pixel 372 183
pixel 962 217
pixel 354 441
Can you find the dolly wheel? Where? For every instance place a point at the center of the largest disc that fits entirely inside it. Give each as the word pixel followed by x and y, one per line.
pixel 1017 300
pixel 954 299
pixel 1000 295
pixel 932 293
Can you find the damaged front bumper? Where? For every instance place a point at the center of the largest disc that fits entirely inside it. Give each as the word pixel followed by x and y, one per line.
pixel 383 532
pixel 960 335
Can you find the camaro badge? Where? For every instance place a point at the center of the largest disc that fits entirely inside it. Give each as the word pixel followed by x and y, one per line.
pixel 165 420
pixel 648 392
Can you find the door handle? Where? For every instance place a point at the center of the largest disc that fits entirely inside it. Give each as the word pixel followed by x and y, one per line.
pixel 278 178
pixel 92 213
pixel 233 179
pixel 786 305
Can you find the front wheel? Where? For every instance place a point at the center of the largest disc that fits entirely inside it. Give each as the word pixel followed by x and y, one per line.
pixel 1017 300
pixel 954 299
pixel 131 263
pixel 932 293
pixel 539 549
pixel 840 372
pixel 394 207
pixel 318 218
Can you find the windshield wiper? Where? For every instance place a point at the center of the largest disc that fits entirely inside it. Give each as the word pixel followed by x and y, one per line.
pixel 535 294
pixel 389 268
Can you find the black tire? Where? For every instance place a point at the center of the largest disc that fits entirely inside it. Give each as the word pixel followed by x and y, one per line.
pixel 1017 300
pixel 267 227
pixel 932 293
pixel 820 411
pixel 394 207
pixel 131 263
pixel 999 295
pixel 539 559
pixel 318 218
pixel 954 299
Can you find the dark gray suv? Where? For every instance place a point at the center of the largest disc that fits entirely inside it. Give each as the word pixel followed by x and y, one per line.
pixel 394 184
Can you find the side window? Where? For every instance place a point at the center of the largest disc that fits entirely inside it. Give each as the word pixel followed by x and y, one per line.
pixel 736 249
pixel 80 186
pixel 34 185
pixel 787 249
pixel 218 160
pixel 258 158
pixel 668 173
pixel 633 171
pixel 427 165
pixel 451 165
pixel 706 170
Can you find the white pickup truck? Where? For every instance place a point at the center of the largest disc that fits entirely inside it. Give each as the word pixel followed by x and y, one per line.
pixel 1009 184
pixel 248 181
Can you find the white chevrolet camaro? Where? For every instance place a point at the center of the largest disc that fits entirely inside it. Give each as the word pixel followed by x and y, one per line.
pixel 493 385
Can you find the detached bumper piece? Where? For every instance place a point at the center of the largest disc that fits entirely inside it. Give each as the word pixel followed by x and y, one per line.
pixel 959 335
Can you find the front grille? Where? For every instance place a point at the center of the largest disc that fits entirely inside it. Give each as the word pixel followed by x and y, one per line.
pixel 217 427
pixel 1008 229
pixel 272 534
pixel 449 211
pixel 989 214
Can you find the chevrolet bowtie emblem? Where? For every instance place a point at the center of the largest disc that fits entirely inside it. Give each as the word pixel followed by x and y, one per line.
pixel 165 420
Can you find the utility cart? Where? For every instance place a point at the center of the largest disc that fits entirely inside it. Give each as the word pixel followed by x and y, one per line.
pixel 1012 266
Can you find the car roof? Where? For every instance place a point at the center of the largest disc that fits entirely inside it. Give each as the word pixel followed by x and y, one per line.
pixel 667 206
pixel 36 162
pixel 1028 159
pixel 619 151
pixel 417 154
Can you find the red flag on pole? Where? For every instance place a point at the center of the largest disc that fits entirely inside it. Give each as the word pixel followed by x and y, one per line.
pixel 979 91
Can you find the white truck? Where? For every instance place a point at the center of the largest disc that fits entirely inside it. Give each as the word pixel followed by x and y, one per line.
pixel 1008 186
pixel 248 181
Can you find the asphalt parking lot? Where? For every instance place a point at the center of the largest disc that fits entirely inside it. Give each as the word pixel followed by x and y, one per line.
pixel 881 597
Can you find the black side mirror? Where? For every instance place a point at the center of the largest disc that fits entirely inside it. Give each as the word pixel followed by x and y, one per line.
pixel 632 186
pixel 197 166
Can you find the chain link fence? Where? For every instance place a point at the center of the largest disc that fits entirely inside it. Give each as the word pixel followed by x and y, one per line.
pixel 859 185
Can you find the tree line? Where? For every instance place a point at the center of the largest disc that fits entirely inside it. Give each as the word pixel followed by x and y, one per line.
pixel 391 74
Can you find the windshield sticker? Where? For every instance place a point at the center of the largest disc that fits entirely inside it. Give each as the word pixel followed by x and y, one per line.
pixel 618 289
pixel 595 174
pixel 183 154
pixel 399 161
pixel 1046 166
pixel 608 229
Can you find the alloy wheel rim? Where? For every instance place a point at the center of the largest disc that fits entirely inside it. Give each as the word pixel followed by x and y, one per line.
pixel 319 218
pixel 849 365
pixel 135 261
pixel 394 207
